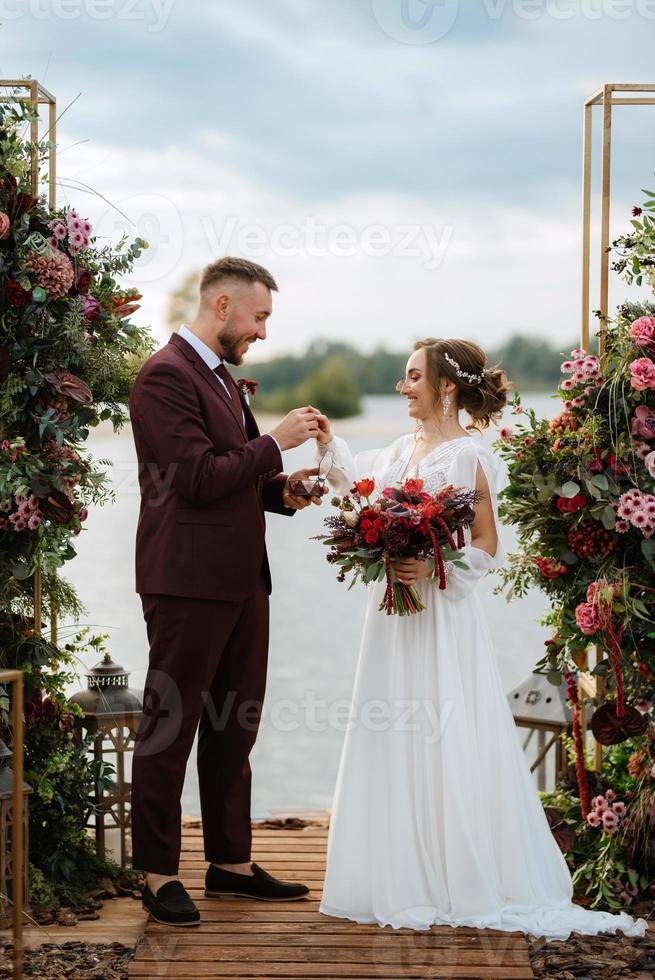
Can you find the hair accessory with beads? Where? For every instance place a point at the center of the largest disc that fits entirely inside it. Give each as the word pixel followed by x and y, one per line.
pixel 460 372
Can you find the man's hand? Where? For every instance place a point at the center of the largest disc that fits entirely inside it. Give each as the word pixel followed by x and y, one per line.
pixel 298 503
pixel 297 427
pixel 410 570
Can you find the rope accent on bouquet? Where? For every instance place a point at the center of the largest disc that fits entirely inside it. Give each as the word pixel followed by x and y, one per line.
pixel 439 566
pixel 388 595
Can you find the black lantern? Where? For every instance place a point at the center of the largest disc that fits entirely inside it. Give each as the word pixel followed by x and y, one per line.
pixel 112 712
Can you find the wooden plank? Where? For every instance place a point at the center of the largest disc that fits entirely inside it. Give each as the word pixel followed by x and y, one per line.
pixel 404 953
pixel 332 970
pixel 246 938
pixel 438 938
pixel 212 932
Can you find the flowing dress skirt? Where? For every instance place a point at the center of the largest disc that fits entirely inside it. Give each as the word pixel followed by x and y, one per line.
pixel 436 817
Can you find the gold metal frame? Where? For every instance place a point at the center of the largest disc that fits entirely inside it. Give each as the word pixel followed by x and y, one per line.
pixel 38 95
pixel 15 677
pixel 592 685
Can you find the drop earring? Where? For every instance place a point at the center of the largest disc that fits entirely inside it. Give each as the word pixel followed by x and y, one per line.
pixel 446 405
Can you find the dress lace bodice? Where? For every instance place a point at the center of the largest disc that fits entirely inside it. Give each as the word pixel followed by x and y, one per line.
pixel 433 468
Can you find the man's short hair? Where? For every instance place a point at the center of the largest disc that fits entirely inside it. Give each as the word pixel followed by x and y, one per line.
pixel 231 267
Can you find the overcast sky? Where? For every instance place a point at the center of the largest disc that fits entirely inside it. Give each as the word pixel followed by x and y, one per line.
pixel 404 167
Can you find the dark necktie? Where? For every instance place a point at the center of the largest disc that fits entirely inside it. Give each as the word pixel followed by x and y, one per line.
pixel 225 376
pixel 232 389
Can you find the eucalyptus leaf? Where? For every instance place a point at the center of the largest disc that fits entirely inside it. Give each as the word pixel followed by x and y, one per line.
pixel 593 490
pixel 569 489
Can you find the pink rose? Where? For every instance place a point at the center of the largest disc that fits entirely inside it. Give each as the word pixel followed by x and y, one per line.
pixel 643 422
pixel 587 619
pixel 650 463
pixel 643 330
pixel 5 225
pixel 642 373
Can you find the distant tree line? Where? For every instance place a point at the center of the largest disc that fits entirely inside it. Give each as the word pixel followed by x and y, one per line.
pixel 334 375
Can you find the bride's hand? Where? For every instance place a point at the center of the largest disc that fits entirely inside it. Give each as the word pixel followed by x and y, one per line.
pixel 325 433
pixel 410 570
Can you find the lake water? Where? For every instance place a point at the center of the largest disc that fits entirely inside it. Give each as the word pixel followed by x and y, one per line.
pixel 315 621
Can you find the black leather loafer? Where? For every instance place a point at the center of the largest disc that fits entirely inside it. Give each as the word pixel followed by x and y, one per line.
pixel 171 905
pixel 261 885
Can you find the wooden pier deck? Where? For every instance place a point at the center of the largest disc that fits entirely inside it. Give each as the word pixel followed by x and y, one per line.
pixel 241 938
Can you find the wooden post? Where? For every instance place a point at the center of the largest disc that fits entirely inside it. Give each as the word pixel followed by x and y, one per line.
pixel 592 685
pixel 15 677
pixel 38 95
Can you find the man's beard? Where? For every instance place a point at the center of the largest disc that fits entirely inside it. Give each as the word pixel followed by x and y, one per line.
pixel 230 343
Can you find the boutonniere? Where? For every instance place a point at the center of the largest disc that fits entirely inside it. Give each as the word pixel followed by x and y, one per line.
pixel 247 387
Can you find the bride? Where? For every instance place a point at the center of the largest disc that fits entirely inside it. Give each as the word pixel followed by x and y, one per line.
pixel 436 818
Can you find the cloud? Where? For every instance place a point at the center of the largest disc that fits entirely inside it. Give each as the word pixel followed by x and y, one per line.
pixel 367 268
pixel 238 123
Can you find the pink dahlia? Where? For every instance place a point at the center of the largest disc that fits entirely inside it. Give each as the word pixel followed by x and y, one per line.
pixel 53 272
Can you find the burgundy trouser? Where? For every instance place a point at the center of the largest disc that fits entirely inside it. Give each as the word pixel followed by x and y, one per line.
pixel 207 668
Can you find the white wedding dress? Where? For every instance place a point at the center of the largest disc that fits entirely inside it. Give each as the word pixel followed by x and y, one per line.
pixel 436 817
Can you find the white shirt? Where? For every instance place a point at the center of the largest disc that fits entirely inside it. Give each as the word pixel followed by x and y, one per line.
pixel 212 360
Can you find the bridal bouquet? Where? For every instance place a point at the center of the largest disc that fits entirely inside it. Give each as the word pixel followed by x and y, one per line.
pixel 403 522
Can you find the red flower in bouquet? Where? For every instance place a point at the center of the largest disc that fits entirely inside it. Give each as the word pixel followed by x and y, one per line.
pixel 365 487
pixel 413 486
pixel 570 505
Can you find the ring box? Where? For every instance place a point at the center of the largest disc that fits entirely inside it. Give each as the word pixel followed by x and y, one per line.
pixel 305 488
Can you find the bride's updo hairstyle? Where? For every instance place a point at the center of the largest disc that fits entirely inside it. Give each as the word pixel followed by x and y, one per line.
pixel 482 393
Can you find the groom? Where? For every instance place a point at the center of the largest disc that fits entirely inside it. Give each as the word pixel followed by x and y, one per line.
pixel 206 477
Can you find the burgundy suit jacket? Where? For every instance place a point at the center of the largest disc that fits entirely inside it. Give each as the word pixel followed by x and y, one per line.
pixel 205 481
